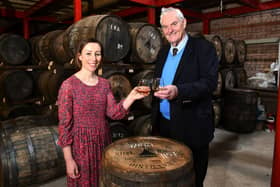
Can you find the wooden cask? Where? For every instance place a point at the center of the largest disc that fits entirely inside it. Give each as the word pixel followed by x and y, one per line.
pixel 110 30
pixel 14 49
pixel 145 162
pixel 146 42
pixel 30 156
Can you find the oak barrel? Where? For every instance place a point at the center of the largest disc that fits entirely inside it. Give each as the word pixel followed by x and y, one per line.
pixel 241 77
pixel 30 156
pixel 118 130
pixel 217 108
pixel 49 83
pixel 145 162
pixel 146 42
pixel 44 46
pixel 218 44
pixel 240 110
pixel 120 84
pixel 141 126
pixel 229 79
pixel 57 51
pixel 110 30
pixel 15 85
pixel 241 51
pixel 229 51
pixel 218 90
pixel 14 49
pixel 14 111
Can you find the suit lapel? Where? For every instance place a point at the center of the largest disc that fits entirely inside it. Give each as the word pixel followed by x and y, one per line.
pixel 186 56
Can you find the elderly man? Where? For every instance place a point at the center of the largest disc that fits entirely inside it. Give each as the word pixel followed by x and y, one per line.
pixel 182 108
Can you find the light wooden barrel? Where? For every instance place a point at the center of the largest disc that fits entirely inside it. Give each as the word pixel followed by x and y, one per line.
pixel 146 42
pixel 145 162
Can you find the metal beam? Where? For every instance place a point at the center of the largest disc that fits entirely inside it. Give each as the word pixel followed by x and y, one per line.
pixel 157 3
pixel 130 11
pixel 192 13
pixel 251 3
pixel 242 10
pixel 11 13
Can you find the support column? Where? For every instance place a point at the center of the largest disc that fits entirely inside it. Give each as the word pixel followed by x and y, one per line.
pixel 26 31
pixel 206 26
pixel 77 10
pixel 152 15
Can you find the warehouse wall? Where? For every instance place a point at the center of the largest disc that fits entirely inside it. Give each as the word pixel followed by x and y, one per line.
pixel 257 25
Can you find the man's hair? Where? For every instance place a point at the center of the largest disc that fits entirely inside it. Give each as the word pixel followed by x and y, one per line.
pixel 180 15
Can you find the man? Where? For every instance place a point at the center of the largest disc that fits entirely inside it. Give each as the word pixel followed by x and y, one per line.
pixel 182 109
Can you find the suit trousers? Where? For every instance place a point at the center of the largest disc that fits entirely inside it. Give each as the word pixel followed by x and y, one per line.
pixel 200 154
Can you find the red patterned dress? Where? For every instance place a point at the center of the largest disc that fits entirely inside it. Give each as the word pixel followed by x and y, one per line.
pixel 82 124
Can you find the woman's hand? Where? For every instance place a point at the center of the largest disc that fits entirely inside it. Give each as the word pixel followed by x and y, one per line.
pixel 138 92
pixel 72 169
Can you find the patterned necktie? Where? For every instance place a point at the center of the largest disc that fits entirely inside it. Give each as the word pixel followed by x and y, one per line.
pixel 175 50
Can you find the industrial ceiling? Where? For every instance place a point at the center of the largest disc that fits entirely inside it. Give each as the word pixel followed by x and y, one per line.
pixel 20 14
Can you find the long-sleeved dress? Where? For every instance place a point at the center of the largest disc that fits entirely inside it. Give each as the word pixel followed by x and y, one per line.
pixel 82 111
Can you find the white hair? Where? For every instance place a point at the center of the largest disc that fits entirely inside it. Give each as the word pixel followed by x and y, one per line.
pixel 179 13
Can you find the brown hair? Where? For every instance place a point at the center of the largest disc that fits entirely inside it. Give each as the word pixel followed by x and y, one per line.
pixel 81 46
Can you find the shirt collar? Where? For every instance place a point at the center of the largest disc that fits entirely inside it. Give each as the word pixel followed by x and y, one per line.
pixel 181 44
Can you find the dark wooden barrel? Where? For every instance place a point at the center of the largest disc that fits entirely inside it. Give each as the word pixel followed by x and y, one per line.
pixel 240 110
pixel 229 79
pixel 141 126
pixel 147 161
pixel 57 51
pixel 34 41
pixel 229 51
pixel 13 111
pixel 218 91
pixel 217 108
pixel 145 103
pixel 14 49
pixel 49 83
pixel 146 42
pixel 22 122
pixel 120 84
pixel 241 51
pixel 15 86
pixel 44 46
pixel 110 30
pixel 217 42
pixel 241 77
pixel 118 130
pixel 30 156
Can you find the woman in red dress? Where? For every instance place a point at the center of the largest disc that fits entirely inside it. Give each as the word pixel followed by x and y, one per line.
pixel 84 102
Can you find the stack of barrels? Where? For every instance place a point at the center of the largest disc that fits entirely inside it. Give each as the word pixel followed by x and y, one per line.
pixel 234 105
pixel 31 73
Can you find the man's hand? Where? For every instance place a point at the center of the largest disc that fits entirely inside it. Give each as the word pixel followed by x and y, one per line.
pixel 167 92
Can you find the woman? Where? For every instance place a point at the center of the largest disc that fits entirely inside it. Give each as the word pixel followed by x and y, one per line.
pixel 84 101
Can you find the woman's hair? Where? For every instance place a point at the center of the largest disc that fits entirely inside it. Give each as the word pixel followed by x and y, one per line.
pixel 81 46
pixel 180 15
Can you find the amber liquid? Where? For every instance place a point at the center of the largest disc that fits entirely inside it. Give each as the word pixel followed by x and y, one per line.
pixel 144 90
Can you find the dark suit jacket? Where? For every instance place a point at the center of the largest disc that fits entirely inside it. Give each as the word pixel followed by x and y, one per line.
pixel 196 78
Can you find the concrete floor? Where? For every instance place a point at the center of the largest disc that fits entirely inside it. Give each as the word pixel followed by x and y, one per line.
pixel 236 160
